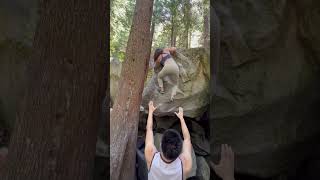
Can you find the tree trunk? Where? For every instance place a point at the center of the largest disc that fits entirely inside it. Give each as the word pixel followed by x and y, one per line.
pixel 152 31
pixel 215 48
pixel 125 113
pixel 206 24
pixel 187 22
pixel 56 128
pixel 206 31
pixel 190 37
pixel 186 37
pixel 172 32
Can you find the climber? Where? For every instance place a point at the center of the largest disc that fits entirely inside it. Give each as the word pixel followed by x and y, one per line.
pixel 163 58
pixel 174 161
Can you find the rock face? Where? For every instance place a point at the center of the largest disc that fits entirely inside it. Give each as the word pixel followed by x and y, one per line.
pixel 193 82
pixel 194 78
pixel 266 87
pixel 203 169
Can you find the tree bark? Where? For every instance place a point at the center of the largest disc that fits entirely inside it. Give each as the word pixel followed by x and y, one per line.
pixel 186 19
pixel 172 32
pixel 56 128
pixel 206 25
pixel 206 38
pixel 215 44
pixel 152 31
pixel 125 113
pixel 190 37
pixel 187 38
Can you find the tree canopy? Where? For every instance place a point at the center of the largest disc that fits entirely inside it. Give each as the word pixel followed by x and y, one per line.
pixel 177 23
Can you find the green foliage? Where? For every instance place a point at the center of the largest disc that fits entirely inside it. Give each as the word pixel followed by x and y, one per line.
pixel 121 13
pixel 181 18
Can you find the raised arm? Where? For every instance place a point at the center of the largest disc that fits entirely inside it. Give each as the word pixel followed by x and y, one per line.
pixel 171 50
pixel 187 146
pixel 150 148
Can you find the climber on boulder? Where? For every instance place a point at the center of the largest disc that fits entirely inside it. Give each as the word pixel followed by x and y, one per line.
pixel 163 58
pixel 174 161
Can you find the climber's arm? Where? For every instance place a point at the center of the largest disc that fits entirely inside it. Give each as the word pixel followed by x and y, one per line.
pixel 187 146
pixel 171 50
pixel 150 149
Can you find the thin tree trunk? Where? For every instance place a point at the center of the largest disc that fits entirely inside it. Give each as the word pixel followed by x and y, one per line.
pixel 215 48
pixel 125 113
pixel 152 31
pixel 154 19
pixel 190 37
pixel 187 23
pixel 186 38
pixel 56 127
pixel 206 30
pixel 172 32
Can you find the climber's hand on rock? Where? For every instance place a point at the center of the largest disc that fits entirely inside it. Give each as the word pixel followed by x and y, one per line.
pixel 180 113
pixel 151 107
pixel 225 168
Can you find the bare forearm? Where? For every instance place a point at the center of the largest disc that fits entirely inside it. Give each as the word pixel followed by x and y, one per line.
pixel 149 129
pixel 149 122
pixel 172 49
pixel 184 128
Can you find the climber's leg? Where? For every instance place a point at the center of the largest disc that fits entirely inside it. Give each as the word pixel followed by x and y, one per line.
pixel 174 89
pixel 161 75
pixel 170 69
pixel 175 79
pixel 173 92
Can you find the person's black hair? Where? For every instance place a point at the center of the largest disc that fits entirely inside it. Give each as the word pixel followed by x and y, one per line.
pixel 194 178
pixel 171 144
pixel 157 53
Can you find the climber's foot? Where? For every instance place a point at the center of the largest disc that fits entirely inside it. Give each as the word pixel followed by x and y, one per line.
pixel 173 93
pixel 161 90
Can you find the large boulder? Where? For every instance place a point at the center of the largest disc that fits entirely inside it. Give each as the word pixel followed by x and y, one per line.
pixel 193 82
pixel 203 169
pixel 266 87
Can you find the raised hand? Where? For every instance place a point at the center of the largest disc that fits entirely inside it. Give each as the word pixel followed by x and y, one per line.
pixel 180 113
pixel 225 168
pixel 151 107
